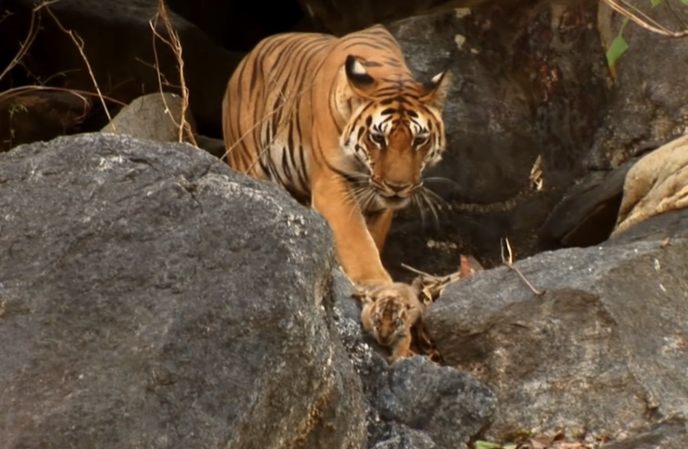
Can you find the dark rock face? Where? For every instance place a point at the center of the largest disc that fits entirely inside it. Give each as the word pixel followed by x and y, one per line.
pixel 671 433
pixel 238 25
pixel 340 17
pixel 528 83
pixel 153 298
pixel 119 48
pixel 413 403
pixel 603 352
pixel 32 115
pixel 588 210
pixel 655 112
pixel 344 16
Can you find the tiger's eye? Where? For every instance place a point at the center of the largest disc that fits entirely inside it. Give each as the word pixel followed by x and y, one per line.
pixel 377 138
pixel 420 140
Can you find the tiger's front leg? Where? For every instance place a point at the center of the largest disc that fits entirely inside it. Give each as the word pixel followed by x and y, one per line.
pixel 378 226
pixel 356 249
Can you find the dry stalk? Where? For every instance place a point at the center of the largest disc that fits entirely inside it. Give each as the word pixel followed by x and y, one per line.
pixel 80 47
pixel 81 94
pixel 175 45
pixel 642 19
pixel 431 287
pixel 34 27
pixel 24 46
pixel 509 262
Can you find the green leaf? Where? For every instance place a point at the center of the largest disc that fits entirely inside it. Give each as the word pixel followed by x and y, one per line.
pixel 618 47
pixel 486 445
pixel 656 2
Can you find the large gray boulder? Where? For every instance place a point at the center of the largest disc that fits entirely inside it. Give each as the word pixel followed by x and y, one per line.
pixel 413 403
pixel 151 297
pixel 603 352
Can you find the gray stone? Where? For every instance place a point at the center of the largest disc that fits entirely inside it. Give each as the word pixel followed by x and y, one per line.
pixel 603 351
pixel 402 437
pixel 667 226
pixel 151 297
pixel 449 405
pixel 154 116
pixel 412 403
pixel 671 433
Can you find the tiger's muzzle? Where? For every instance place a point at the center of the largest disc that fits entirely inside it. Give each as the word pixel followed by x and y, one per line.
pixel 394 190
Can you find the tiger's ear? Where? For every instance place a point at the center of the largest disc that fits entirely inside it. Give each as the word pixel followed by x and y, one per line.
pixel 362 295
pixel 436 89
pixel 359 80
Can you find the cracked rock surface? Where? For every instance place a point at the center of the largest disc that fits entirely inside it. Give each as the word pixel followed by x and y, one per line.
pixel 413 403
pixel 151 297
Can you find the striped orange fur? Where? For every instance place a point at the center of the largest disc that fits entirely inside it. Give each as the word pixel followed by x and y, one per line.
pixel 343 126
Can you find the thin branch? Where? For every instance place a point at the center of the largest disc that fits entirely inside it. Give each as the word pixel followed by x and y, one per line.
pixel 509 262
pixel 80 47
pixel 24 46
pixel 417 271
pixel 643 19
pixel 15 91
pixel 175 45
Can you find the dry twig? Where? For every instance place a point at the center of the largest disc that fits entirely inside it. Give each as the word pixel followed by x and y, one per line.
pixel 175 45
pixel 25 45
pixel 430 287
pixel 642 19
pixel 80 47
pixel 509 262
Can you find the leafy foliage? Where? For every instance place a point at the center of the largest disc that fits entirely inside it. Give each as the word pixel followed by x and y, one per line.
pixel 619 45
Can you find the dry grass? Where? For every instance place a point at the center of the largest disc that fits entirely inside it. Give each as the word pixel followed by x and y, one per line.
pixel 639 17
pixel 25 45
pixel 173 42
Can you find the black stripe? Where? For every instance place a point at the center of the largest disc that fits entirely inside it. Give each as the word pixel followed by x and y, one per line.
pixel 303 176
pixel 349 178
pixel 285 166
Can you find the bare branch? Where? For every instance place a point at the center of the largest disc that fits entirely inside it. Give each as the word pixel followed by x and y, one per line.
pixel 80 47
pixel 175 45
pixel 642 19
pixel 509 262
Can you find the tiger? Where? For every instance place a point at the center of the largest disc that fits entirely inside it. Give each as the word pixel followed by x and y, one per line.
pixel 343 126
pixel 389 313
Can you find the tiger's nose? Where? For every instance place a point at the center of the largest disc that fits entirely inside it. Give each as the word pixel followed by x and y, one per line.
pixel 398 187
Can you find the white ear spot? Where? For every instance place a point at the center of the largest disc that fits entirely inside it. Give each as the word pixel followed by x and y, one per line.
pixel 358 69
pixel 436 79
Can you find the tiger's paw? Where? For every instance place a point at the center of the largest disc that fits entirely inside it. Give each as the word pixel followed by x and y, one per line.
pixel 388 314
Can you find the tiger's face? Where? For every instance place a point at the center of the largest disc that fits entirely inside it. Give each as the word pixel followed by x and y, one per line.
pixel 395 133
pixel 390 321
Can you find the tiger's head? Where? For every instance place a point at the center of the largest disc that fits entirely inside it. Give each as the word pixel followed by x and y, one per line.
pixel 387 315
pixel 394 133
